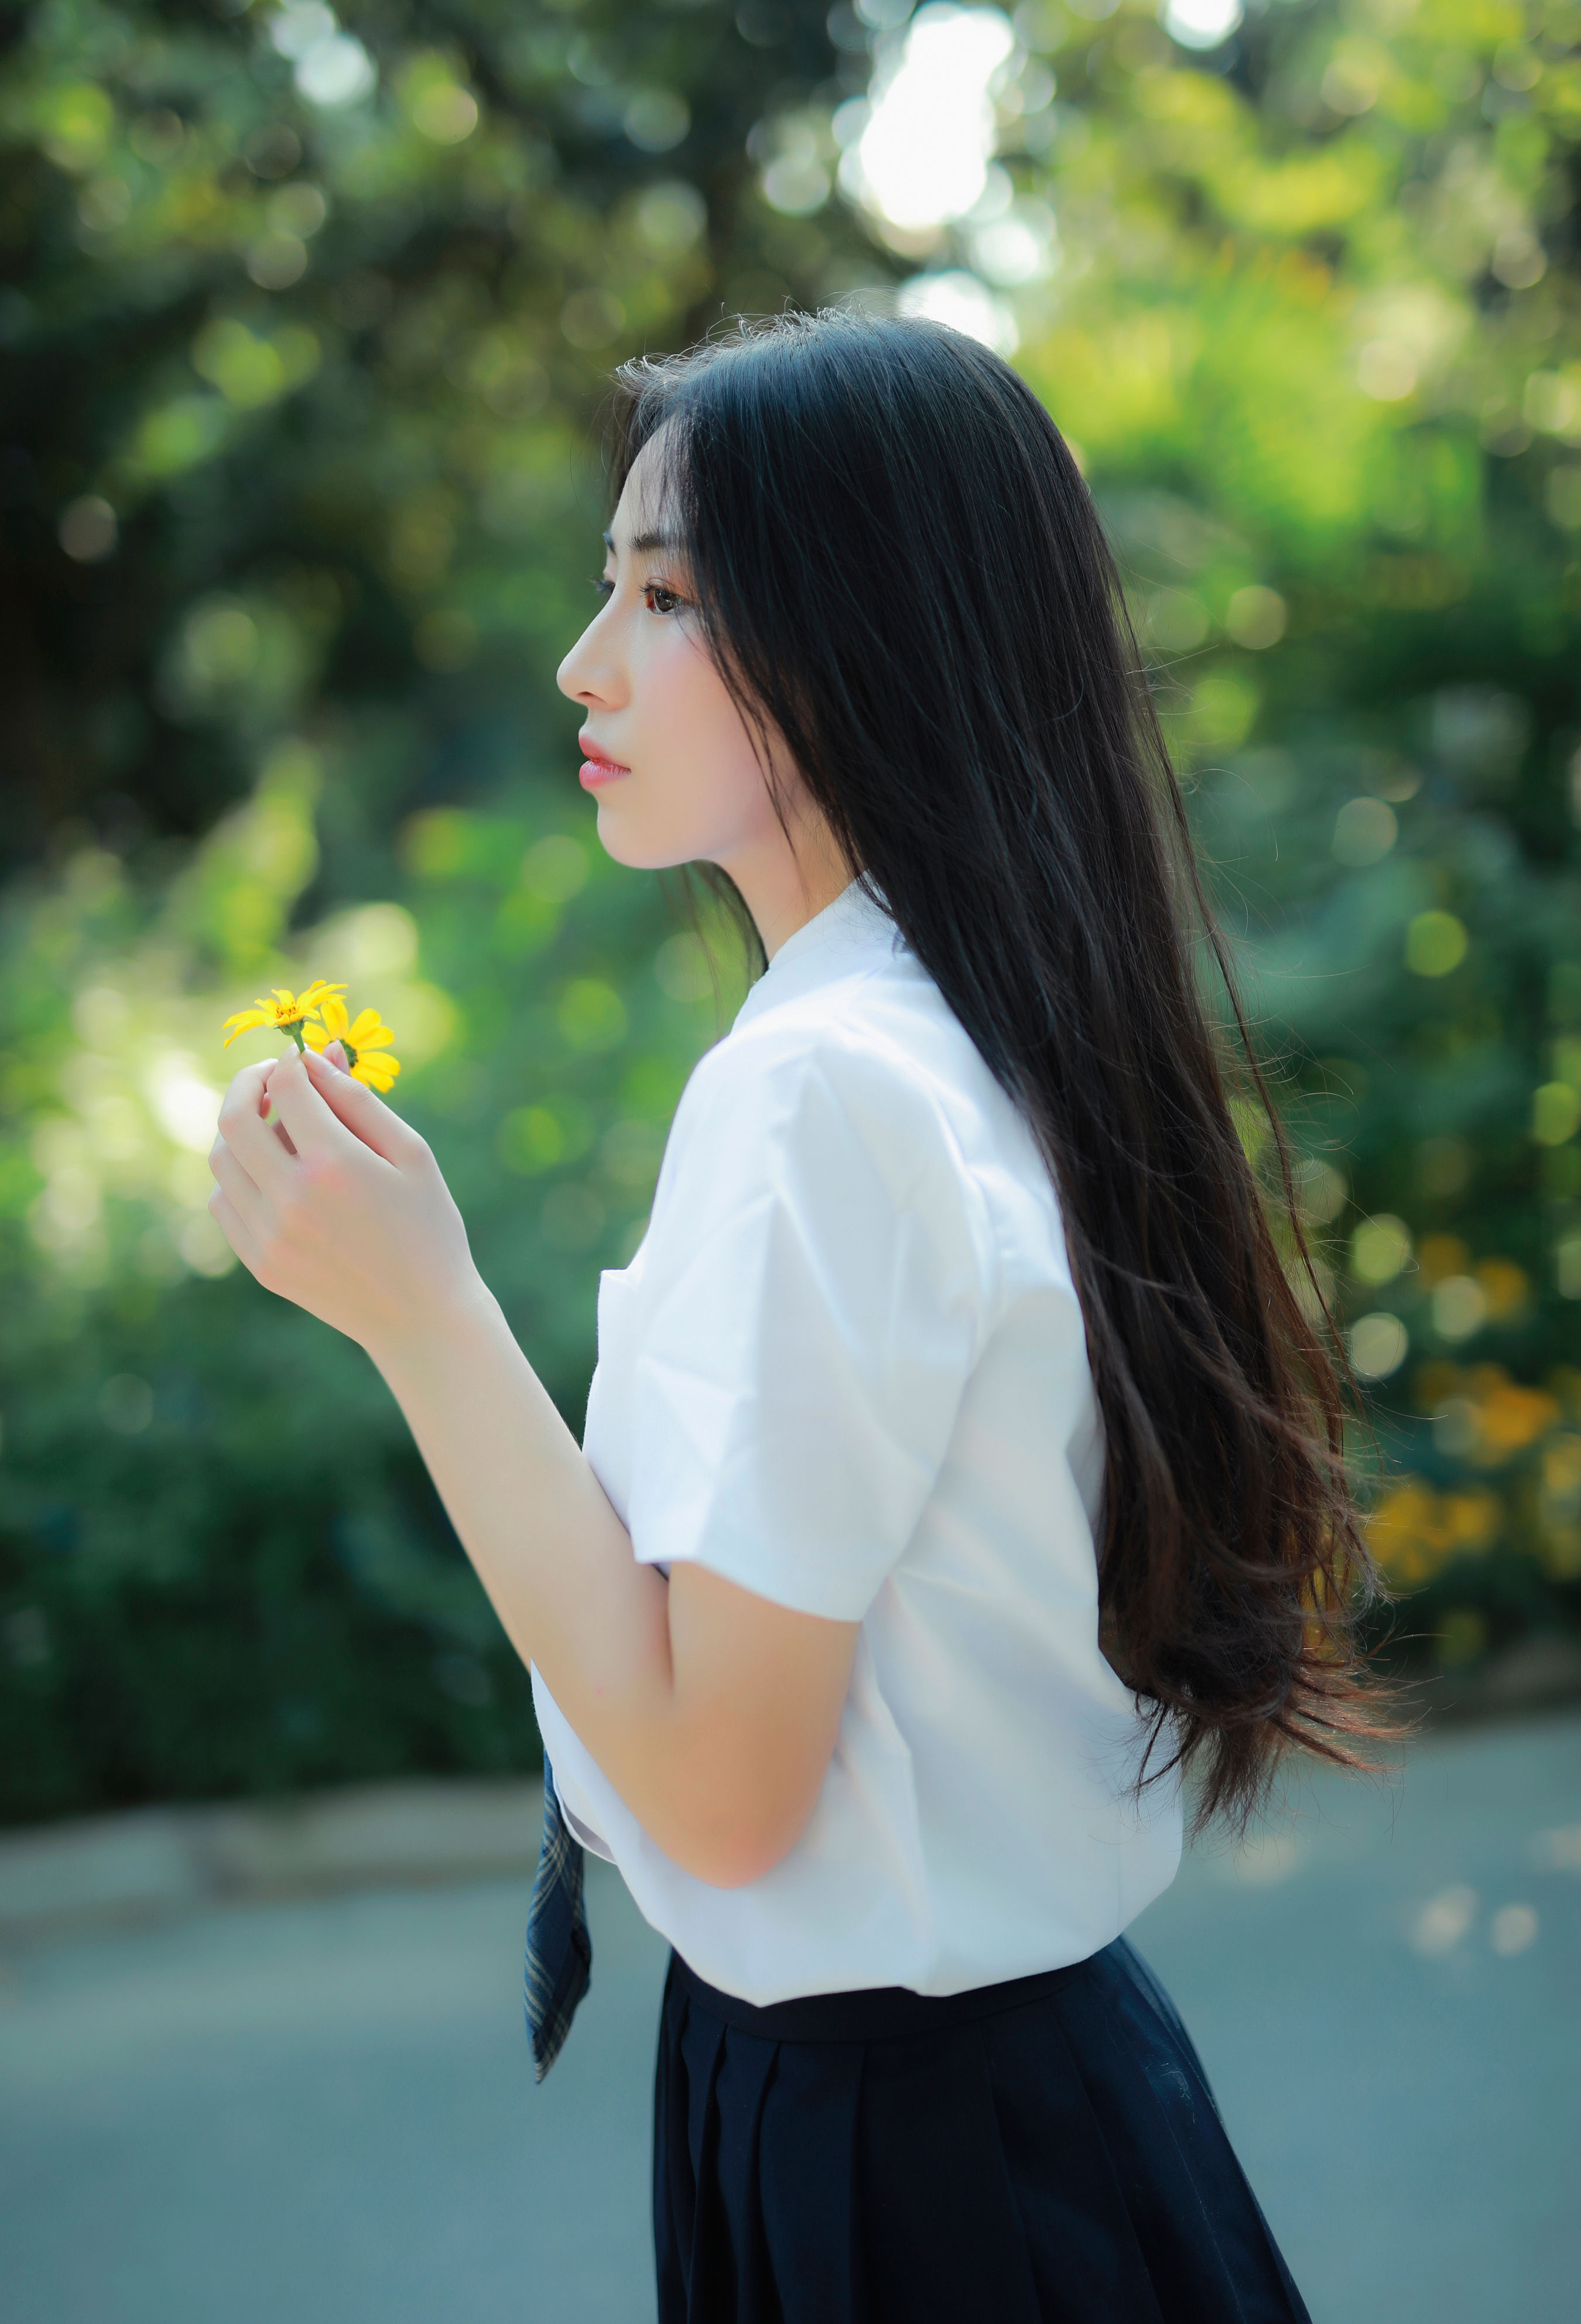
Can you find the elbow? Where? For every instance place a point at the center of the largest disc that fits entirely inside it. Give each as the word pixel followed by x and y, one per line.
pixel 734 1851
pixel 739 1865
pixel 725 1867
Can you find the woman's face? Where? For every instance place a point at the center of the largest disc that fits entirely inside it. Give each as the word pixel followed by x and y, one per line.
pixel 669 758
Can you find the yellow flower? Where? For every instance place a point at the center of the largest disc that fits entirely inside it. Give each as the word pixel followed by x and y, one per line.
pixel 378 1071
pixel 287 1012
pixel 357 1035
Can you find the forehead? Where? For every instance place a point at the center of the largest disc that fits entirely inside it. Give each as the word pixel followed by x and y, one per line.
pixel 643 499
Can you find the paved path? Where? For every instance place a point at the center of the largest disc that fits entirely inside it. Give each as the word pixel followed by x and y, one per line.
pixel 322 2113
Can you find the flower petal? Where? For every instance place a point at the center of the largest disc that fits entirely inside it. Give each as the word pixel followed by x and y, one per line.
pixel 244 1021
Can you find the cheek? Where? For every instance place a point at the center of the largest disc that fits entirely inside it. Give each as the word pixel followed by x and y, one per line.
pixel 699 787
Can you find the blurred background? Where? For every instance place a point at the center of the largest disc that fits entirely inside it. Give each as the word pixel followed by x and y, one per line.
pixel 306 326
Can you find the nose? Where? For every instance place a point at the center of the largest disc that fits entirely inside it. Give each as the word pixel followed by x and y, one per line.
pixel 590 673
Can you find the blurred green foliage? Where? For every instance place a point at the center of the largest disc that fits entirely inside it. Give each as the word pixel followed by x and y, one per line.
pixel 305 325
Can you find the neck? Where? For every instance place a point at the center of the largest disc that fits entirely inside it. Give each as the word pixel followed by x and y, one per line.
pixel 785 887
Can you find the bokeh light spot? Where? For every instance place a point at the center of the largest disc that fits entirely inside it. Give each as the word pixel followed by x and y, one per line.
pixel 1378 1345
pixel 923 157
pixel 1436 943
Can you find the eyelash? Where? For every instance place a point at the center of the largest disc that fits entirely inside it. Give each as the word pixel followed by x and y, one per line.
pixel 605 588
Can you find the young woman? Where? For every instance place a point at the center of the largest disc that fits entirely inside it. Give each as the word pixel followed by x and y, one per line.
pixel 960 1468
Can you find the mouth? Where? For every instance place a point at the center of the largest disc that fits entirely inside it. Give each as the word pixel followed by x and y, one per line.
pixel 597 766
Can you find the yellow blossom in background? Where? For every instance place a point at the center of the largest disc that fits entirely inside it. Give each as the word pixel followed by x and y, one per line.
pixel 286 1012
pixel 1413 1530
pixel 1509 1417
pixel 1481 1415
pixel 1559 1507
pixel 357 1037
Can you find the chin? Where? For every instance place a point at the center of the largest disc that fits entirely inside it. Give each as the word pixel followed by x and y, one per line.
pixel 624 841
pixel 617 842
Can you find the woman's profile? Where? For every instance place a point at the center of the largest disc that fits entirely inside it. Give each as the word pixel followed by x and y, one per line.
pixel 961 1471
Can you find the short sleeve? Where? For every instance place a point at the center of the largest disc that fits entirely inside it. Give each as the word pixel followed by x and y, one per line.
pixel 815 1285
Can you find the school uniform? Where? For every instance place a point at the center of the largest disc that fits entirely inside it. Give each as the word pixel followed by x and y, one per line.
pixel 914 2072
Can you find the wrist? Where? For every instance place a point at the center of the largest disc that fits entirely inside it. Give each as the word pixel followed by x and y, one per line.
pixel 407 1348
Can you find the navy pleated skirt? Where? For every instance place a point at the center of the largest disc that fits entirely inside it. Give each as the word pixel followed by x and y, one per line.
pixel 1044 2151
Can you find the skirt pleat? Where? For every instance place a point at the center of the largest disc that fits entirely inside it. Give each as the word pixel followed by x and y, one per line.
pixel 1086 2255
pixel 929 2115
pixel 809 2177
pixel 1043 2152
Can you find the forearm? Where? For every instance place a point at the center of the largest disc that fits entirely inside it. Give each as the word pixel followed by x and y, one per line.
pixel 549 1550
pixel 711 1711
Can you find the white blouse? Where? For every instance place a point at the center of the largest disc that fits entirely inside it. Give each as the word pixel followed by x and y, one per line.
pixel 846 1370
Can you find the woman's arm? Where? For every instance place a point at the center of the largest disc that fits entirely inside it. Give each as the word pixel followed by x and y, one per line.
pixel 712 1710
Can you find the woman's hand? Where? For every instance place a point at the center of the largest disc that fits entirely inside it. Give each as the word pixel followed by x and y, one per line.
pixel 347 1214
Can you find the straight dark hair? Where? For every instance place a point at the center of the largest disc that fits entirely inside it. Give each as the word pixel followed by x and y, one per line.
pixel 899 567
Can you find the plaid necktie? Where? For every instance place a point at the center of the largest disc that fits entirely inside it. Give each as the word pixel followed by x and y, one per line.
pixel 559 1951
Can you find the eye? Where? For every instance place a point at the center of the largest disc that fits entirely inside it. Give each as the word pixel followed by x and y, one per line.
pixel 658 599
pixel 603 585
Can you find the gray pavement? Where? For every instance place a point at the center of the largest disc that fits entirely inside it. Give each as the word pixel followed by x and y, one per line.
pixel 322 2109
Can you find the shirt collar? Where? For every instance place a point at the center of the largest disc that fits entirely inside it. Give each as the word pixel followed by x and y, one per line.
pixel 854 929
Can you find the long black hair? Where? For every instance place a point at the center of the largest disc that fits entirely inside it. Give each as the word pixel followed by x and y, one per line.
pixel 899 567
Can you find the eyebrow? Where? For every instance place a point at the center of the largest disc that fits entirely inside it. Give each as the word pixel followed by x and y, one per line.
pixel 643 544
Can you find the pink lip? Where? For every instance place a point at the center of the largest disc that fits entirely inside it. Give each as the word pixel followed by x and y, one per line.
pixel 598 767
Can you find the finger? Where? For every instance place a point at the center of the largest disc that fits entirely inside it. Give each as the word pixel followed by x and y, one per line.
pixel 297 1088
pixel 268 1112
pixel 235 1182
pixel 333 1054
pixel 251 1085
pixel 243 1127
pixel 353 1104
pixel 234 1228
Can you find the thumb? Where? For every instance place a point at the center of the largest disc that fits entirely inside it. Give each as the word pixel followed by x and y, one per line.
pixel 354 1104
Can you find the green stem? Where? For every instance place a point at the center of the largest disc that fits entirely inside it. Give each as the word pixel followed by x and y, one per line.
pixel 295 1029
pixel 350 1053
